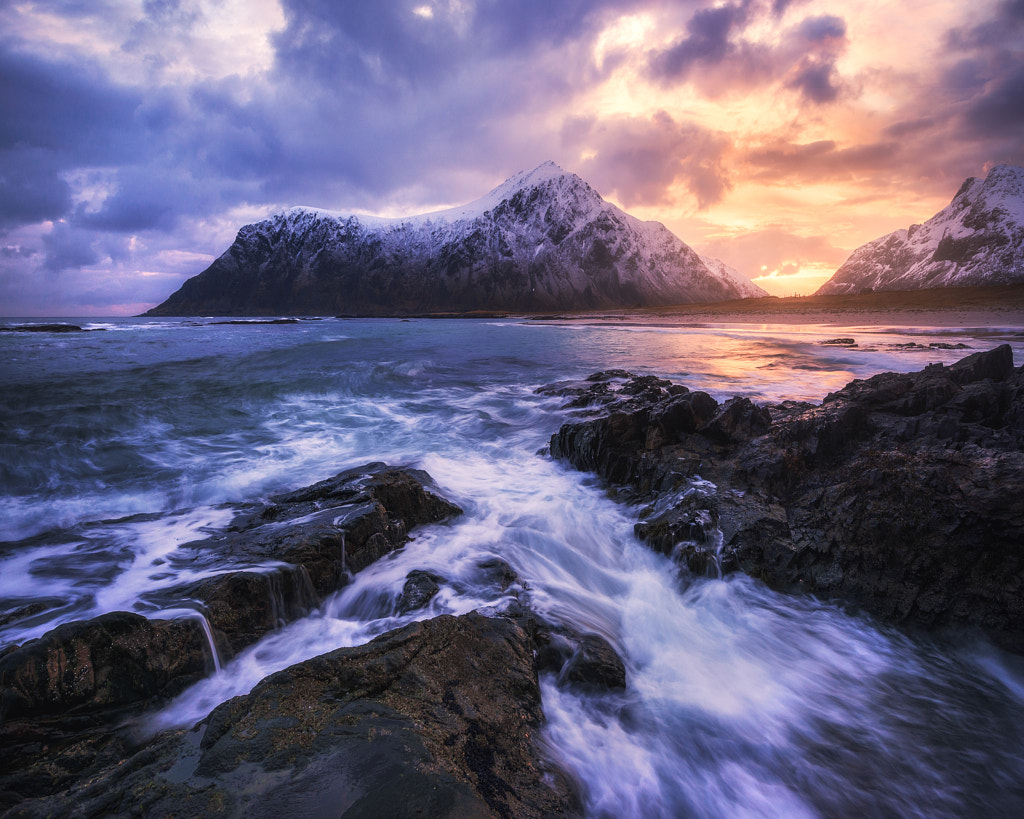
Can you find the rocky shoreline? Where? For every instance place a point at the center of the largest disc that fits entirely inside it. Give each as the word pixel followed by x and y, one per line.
pixel 901 494
pixel 438 718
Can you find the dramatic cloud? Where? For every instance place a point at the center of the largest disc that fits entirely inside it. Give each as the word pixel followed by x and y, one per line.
pixel 31 186
pixel 54 117
pixel 720 52
pixel 989 76
pixel 1000 108
pixel 707 41
pixel 136 136
pixel 640 161
pixel 820 160
pixel 67 247
pixel 815 74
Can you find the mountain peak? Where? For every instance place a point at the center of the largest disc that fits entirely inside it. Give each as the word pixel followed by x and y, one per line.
pixel 978 239
pixel 545 175
pixel 541 240
pixel 1001 173
pixel 544 172
pixel 1004 187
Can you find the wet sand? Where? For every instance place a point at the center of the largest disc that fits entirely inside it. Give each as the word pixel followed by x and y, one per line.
pixel 961 307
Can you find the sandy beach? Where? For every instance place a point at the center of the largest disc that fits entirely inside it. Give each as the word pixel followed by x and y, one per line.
pixel 992 308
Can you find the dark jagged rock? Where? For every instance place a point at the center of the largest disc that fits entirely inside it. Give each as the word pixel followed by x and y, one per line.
pixel 498 573
pixel 66 689
pixel 903 493
pixel 841 342
pixel 323 534
pixel 737 420
pixel 436 719
pixel 107 662
pixel 243 606
pixel 586 661
pixel 594 664
pixel 64 693
pixel 43 328
pixel 419 589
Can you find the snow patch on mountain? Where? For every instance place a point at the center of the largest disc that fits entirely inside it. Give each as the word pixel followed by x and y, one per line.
pixel 542 240
pixel 744 286
pixel 978 239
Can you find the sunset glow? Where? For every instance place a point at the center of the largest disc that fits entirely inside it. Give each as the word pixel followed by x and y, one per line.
pixel 777 135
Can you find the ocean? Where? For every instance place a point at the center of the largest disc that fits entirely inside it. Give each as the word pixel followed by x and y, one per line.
pixel 121 444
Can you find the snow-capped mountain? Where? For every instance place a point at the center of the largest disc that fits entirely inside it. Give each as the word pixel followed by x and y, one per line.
pixel 543 240
pixel 978 239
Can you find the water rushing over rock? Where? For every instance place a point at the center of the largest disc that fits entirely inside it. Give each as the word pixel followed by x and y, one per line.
pixel 903 493
pixel 439 718
pixel 529 656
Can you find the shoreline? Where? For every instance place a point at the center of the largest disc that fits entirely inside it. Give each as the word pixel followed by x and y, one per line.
pixel 994 306
pixel 966 307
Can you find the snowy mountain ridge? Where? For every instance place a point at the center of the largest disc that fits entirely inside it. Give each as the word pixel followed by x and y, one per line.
pixel 471 210
pixel 978 239
pixel 542 240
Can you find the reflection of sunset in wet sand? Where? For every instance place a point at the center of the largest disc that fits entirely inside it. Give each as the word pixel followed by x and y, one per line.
pixel 778 361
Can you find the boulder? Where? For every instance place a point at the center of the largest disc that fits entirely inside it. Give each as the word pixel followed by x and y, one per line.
pixel 108 662
pixel 594 664
pixel 67 689
pixel 439 718
pixel 312 541
pixel 419 589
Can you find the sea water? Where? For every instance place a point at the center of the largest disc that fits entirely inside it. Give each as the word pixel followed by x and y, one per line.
pixel 119 445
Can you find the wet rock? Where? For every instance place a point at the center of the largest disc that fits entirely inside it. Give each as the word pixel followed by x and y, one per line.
pixel 586 661
pixel 65 690
pixel 112 661
pixel 624 445
pixel 46 756
pixel 691 522
pixel 594 664
pixel 902 493
pixel 996 365
pixel 497 572
pixel 553 650
pixel 243 606
pixel 64 694
pixel 613 388
pixel 608 375
pixel 43 328
pixel 738 420
pixel 435 719
pixel 681 415
pixel 28 611
pixel 319 537
pixel 419 589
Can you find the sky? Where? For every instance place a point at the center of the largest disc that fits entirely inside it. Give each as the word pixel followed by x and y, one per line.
pixel 138 136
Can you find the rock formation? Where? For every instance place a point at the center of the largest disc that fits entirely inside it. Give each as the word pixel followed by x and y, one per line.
pixel 901 493
pixel 977 240
pixel 543 240
pixel 439 718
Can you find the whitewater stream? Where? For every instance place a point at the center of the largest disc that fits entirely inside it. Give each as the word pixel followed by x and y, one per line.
pixel 120 445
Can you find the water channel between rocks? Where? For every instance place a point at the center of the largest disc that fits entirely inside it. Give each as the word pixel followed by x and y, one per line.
pixel 121 446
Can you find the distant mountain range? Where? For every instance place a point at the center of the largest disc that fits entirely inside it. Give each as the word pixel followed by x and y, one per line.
pixel 543 240
pixel 977 240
